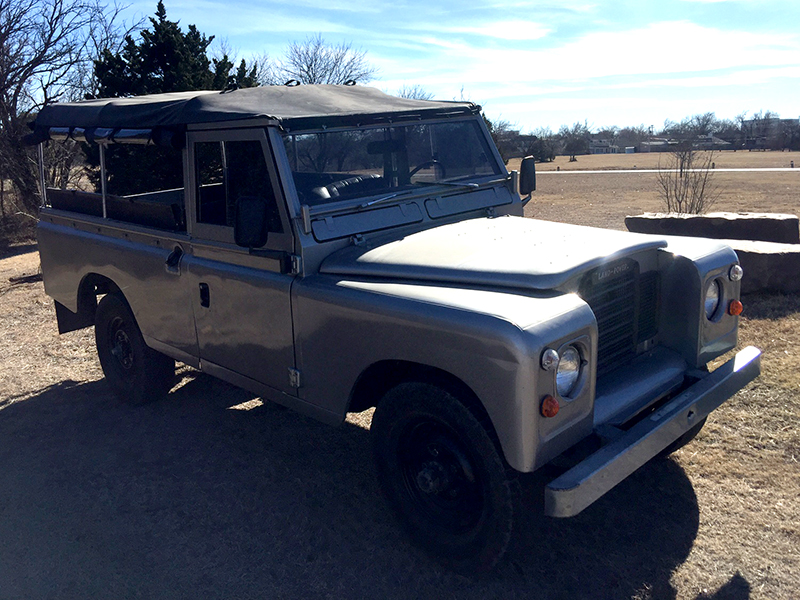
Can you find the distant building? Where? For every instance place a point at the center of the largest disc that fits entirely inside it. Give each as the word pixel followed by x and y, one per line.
pixel 701 142
pixel 711 142
pixel 656 144
pixel 767 132
pixel 602 146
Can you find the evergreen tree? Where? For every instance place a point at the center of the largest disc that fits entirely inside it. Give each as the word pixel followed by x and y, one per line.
pixel 163 59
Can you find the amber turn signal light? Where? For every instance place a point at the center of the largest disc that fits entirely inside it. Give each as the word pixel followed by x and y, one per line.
pixel 735 308
pixel 549 407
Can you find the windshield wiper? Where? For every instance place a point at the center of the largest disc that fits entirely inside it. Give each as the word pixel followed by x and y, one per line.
pixel 454 184
pixel 383 199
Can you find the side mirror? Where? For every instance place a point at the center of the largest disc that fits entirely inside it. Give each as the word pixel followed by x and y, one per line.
pixel 527 176
pixel 250 224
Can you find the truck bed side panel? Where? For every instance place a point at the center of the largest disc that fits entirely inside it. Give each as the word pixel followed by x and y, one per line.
pixel 71 249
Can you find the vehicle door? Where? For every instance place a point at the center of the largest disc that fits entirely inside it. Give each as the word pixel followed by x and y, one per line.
pixel 241 298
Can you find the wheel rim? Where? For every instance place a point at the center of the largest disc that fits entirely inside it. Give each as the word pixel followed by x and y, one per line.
pixel 121 345
pixel 440 478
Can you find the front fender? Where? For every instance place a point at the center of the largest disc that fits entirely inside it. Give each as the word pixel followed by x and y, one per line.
pixel 491 341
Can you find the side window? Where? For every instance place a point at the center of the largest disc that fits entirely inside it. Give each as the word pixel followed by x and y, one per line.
pixel 211 200
pixel 227 171
pixel 144 183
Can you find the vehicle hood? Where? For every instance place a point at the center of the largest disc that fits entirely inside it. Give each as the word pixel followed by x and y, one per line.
pixel 510 252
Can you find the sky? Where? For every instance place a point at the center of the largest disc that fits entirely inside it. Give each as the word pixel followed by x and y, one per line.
pixel 543 64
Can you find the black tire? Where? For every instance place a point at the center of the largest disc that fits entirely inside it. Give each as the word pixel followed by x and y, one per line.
pixel 138 374
pixel 683 440
pixel 443 476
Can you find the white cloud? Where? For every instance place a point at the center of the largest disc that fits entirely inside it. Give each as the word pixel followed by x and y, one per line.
pixel 661 48
pixel 236 8
pixel 534 64
pixel 503 30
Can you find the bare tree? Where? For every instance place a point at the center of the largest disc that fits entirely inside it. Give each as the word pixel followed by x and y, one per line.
pixel 265 69
pixel 414 92
pixel 316 61
pixel 541 145
pixel 575 139
pixel 703 124
pixel 633 136
pixel 686 183
pixel 45 49
pixel 107 32
pixel 505 136
pixel 257 71
pixel 730 130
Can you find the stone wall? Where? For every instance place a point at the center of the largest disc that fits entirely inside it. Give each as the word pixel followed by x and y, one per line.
pixel 765 227
pixel 768 245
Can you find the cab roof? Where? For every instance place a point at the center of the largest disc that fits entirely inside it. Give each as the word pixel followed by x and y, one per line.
pixel 291 108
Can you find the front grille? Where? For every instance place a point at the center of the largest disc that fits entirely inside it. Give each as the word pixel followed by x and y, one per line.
pixel 648 305
pixel 625 305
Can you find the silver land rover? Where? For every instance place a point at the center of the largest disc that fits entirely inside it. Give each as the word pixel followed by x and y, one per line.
pixel 334 249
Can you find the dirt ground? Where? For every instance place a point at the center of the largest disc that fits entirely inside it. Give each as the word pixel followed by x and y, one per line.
pixel 214 494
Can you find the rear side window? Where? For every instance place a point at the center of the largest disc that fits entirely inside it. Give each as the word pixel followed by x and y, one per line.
pixel 227 171
pixel 144 183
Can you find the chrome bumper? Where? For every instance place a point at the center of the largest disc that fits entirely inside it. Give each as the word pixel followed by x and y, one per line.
pixel 570 493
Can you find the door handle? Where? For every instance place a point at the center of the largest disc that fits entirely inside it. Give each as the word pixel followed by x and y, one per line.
pixel 173 263
pixel 205 295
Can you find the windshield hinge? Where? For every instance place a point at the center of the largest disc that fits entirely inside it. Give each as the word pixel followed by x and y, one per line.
pixel 491 212
pixel 357 240
pixel 305 216
pixel 294 378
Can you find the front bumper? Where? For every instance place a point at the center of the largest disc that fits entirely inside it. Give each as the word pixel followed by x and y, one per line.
pixel 570 493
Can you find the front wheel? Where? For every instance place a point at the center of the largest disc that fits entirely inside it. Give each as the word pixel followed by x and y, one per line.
pixel 443 476
pixel 137 373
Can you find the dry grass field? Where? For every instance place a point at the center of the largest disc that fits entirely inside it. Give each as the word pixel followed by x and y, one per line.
pixel 213 494
pixel 722 160
pixel 603 200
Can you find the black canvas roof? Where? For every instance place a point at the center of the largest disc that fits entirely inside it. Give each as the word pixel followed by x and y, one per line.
pixel 303 106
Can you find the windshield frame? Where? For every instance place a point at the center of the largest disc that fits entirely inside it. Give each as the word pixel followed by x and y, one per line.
pixel 497 172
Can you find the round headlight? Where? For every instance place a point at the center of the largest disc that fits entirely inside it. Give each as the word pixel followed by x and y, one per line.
pixel 735 273
pixel 569 371
pixel 713 297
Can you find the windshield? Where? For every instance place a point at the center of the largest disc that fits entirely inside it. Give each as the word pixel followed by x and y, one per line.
pixel 343 164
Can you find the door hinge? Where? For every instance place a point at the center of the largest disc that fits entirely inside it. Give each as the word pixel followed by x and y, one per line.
pixel 294 378
pixel 295 264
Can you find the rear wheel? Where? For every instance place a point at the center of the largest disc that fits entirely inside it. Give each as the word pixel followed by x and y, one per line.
pixel 137 373
pixel 443 476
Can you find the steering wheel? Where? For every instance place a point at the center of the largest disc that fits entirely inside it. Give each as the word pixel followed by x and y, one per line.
pixel 428 163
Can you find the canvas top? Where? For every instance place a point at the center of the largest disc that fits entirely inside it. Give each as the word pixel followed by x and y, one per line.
pixel 298 107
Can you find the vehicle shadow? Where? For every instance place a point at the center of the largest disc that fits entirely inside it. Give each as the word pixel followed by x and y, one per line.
pixel 212 494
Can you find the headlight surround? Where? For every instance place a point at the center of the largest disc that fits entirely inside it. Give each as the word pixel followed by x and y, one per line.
pixel 713 298
pixel 569 371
